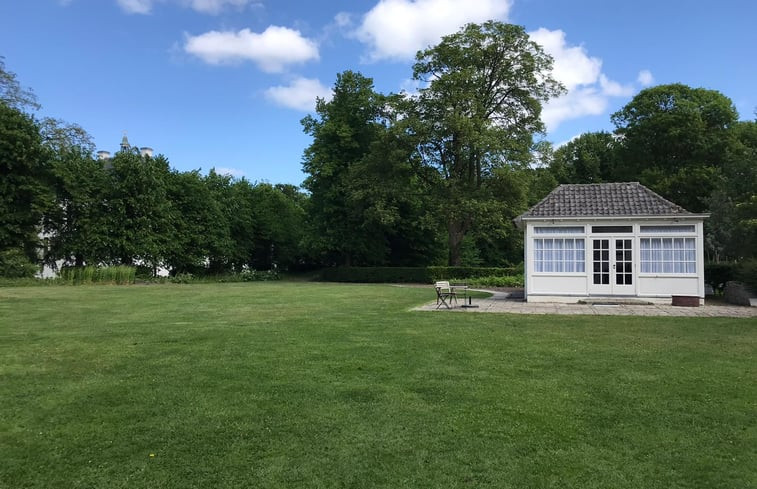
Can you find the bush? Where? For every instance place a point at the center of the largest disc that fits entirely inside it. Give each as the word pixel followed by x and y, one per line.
pixel 116 275
pixel 376 274
pixel 15 264
pixel 717 274
pixel 746 272
pixel 492 281
pixel 424 275
pixel 467 273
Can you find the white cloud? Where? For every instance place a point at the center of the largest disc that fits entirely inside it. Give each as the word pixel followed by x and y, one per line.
pixel 613 88
pixel 397 29
pixel 216 6
pixel 300 94
pixel 272 50
pixel 645 78
pixel 136 6
pixel 343 19
pixel 204 6
pixel 573 66
pixel 579 102
pixel 589 90
pixel 232 172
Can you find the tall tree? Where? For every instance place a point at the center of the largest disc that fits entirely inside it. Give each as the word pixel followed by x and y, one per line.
pixel 589 158
pixel 140 223
pixel 77 225
pixel 24 183
pixel 478 112
pixel 12 94
pixel 674 139
pixel 343 132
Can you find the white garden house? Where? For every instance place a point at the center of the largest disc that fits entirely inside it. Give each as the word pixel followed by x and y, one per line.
pixel 611 240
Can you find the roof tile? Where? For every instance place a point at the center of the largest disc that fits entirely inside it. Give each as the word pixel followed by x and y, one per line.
pixel 603 199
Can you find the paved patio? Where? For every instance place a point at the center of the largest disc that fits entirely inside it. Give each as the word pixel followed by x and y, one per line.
pixel 503 302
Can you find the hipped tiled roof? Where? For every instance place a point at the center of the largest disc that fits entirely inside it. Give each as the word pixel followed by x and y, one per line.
pixel 603 199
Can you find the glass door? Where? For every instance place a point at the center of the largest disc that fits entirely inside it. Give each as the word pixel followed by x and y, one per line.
pixel 611 266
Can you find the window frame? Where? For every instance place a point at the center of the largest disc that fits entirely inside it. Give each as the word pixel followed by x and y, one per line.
pixel 675 260
pixel 559 257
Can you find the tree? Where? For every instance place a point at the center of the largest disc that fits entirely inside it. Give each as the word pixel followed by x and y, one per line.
pixel 200 227
pixel 732 227
pixel 589 158
pixel 139 212
pixel 343 132
pixel 24 183
pixel 674 139
pixel 77 225
pixel 12 94
pixel 478 112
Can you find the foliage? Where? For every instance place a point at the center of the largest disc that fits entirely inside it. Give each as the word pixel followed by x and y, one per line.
pixel 377 274
pixel 15 264
pixel 718 273
pixel 327 385
pixel 78 225
pixel 674 141
pixel 492 281
pixel 746 272
pixel 12 95
pixel 589 158
pixel 466 273
pixel 343 134
pixel 24 187
pixel 409 274
pixel 477 112
pixel 138 208
pixel 113 275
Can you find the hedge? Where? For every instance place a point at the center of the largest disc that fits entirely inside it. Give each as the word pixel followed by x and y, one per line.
pixel 425 275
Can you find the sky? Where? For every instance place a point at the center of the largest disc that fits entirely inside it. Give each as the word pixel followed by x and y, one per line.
pixel 224 83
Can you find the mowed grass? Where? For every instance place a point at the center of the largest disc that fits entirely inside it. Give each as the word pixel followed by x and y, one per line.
pixel 313 385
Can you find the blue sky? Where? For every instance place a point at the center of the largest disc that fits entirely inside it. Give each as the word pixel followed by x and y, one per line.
pixel 224 83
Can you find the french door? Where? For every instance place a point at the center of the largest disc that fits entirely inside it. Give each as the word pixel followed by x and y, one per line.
pixel 611 271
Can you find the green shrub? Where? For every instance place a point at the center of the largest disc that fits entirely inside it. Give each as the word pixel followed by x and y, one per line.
pixel 717 274
pixel 423 275
pixel 746 272
pixel 15 264
pixel 467 273
pixel 377 274
pixel 115 275
pixel 492 281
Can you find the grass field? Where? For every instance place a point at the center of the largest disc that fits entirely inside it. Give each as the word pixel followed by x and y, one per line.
pixel 312 385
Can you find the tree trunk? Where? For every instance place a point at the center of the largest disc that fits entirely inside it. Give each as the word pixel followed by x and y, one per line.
pixel 455 233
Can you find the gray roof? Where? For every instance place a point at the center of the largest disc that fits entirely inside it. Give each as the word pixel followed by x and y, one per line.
pixel 603 199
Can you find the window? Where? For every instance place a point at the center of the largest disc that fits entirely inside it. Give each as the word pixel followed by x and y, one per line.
pixel 667 229
pixel 558 230
pixel 561 255
pixel 611 229
pixel 668 255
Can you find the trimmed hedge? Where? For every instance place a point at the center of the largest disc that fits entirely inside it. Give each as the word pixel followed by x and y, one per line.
pixel 424 275
pixel 377 274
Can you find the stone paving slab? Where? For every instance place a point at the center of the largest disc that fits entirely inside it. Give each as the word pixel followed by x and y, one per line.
pixel 500 303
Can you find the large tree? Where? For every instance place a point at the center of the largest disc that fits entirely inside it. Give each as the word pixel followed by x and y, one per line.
pixel 589 158
pixel 478 111
pixel 674 139
pixel 24 182
pixel 343 133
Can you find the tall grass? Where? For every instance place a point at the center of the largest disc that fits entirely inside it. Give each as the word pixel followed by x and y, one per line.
pixel 116 275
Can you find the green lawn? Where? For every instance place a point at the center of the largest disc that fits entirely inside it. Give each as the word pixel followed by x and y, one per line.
pixel 313 385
